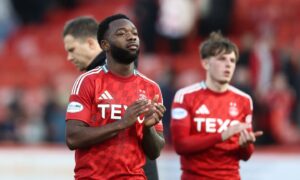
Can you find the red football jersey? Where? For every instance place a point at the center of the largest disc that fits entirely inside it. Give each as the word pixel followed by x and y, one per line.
pixel 99 97
pixel 199 116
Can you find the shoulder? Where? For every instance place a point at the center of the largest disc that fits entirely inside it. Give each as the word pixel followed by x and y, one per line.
pixel 146 79
pixel 239 92
pixel 242 94
pixel 85 78
pixel 181 93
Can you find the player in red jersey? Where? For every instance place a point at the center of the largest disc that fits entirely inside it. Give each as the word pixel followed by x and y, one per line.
pixel 80 40
pixel 211 120
pixel 114 114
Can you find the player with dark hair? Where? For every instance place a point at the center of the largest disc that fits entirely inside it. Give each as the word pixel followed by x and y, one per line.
pixel 80 40
pixel 211 120
pixel 114 113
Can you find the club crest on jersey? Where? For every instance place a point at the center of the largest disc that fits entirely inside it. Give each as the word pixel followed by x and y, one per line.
pixel 233 110
pixel 142 94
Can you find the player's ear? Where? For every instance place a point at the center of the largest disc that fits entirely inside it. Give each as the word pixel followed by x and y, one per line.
pixel 104 45
pixel 205 63
pixel 92 43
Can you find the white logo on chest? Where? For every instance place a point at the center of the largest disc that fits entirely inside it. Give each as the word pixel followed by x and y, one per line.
pixel 233 110
pixel 105 95
pixel 202 110
pixel 210 124
pixel 115 111
pixel 142 94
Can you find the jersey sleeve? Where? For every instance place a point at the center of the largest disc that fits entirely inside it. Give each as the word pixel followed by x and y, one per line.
pixel 184 142
pixel 159 126
pixel 248 111
pixel 246 152
pixel 80 101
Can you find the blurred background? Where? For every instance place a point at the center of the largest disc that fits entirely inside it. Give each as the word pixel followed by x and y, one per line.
pixel 36 78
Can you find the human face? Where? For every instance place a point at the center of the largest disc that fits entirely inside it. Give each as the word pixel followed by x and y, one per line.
pixel 79 51
pixel 124 41
pixel 220 68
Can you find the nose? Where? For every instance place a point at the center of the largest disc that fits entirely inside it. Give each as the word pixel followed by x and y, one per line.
pixel 131 37
pixel 69 58
pixel 228 63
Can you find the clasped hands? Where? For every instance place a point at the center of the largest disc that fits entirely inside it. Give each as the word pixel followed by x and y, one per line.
pixel 151 110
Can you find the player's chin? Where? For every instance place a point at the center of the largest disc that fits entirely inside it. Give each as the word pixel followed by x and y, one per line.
pixel 81 68
pixel 225 80
pixel 133 52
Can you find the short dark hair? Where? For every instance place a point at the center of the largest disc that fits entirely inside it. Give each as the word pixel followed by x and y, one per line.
pixel 104 25
pixel 81 27
pixel 216 44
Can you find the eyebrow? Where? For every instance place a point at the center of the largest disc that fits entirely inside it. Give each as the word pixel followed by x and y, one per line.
pixel 124 28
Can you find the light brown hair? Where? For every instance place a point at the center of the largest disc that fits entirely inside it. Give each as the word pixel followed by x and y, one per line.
pixel 217 44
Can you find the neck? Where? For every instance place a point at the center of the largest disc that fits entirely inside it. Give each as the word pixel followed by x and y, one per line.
pixel 216 86
pixel 123 70
pixel 93 55
pixel 96 53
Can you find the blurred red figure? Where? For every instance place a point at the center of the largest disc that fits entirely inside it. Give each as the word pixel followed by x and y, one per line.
pixel 211 120
pixel 280 101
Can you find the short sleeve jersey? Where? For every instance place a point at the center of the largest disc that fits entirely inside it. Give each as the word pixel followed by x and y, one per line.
pixel 198 111
pixel 98 98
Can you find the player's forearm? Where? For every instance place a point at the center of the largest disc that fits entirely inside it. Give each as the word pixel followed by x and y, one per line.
pixel 246 152
pixel 152 142
pixel 196 143
pixel 79 135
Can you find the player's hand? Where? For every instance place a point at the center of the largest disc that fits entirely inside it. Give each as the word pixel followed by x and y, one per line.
pixel 234 129
pixel 133 111
pixel 160 110
pixel 155 112
pixel 247 137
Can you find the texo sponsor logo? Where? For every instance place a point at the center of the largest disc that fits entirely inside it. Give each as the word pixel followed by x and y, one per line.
pixel 210 124
pixel 115 111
